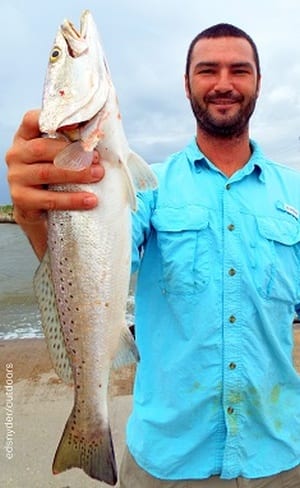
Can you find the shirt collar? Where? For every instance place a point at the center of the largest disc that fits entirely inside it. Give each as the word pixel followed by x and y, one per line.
pixel 256 162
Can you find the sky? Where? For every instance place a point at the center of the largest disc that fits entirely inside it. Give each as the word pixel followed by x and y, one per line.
pixel 145 45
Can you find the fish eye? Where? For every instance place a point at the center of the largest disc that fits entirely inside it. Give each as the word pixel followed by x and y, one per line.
pixel 55 54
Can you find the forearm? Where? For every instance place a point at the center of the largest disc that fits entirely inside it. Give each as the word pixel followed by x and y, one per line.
pixel 37 236
pixel 34 225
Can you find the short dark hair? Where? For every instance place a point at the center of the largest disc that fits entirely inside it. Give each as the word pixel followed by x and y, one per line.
pixel 222 30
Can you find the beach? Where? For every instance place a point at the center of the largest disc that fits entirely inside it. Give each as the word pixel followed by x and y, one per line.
pixel 40 406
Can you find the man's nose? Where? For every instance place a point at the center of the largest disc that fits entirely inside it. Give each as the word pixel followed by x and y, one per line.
pixel 224 82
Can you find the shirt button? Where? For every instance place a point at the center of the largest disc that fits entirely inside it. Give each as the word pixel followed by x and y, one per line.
pixel 232 319
pixel 232 365
pixel 231 227
pixel 230 410
pixel 228 186
pixel 231 272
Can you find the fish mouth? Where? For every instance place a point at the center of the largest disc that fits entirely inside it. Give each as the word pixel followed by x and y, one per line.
pixel 76 40
pixel 72 131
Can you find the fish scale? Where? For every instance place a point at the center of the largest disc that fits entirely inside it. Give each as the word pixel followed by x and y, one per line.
pixel 83 281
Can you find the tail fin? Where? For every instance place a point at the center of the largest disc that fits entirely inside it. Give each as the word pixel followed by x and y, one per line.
pixel 94 455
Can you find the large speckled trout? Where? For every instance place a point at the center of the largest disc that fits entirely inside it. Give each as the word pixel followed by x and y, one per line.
pixel 82 283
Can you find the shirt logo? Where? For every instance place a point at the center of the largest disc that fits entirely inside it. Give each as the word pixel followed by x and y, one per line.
pixel 286 207
pixel 291 210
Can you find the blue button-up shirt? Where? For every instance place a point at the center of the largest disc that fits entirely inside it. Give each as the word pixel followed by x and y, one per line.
pixel 216 391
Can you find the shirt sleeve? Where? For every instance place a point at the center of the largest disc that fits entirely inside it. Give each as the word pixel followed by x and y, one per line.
pixel 141 225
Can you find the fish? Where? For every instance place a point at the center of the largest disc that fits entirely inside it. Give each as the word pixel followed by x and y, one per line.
pixel 82 282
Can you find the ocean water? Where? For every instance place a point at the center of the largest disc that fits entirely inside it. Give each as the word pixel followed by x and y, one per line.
pixel 19 315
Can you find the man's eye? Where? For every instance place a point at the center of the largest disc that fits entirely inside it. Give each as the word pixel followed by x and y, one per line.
pixel 206 71
pixel 240 72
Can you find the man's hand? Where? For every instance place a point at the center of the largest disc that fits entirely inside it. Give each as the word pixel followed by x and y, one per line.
pixel 31 170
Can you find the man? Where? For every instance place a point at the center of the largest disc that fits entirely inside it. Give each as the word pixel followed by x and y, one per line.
pixel 217 246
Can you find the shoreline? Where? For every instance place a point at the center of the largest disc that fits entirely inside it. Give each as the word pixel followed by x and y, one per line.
pixel 7 220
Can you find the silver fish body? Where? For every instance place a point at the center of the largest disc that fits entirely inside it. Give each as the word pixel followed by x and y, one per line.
pixel 82 283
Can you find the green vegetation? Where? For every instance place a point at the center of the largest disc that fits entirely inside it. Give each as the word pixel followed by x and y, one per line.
pixel 6 209
pixel 6 213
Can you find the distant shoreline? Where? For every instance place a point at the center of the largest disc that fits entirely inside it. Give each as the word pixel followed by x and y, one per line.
pixel 6 214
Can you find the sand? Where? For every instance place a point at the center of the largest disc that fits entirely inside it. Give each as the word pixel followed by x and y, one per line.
pixel 40 405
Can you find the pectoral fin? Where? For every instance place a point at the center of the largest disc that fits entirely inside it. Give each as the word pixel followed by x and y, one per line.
pixel 142 176
pixel 74 157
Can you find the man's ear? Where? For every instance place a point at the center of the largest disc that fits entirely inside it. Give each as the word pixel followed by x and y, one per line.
pixel 258 86
pixel 187 87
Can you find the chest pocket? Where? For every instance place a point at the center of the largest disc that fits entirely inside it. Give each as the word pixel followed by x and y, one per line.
pixel 279 259
pixel 183 239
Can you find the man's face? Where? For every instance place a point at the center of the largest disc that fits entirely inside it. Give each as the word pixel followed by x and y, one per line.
pixel 222 85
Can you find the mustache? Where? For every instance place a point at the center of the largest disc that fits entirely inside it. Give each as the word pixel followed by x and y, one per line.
pixel 224 97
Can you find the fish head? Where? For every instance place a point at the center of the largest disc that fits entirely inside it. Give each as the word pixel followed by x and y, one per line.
pixel 78 81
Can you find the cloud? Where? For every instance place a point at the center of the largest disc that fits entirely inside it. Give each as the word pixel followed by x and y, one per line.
pixel 146 44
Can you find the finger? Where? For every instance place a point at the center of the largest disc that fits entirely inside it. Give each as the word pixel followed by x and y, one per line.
pixel 47 174
pixel 29 127
pixel 52 200
pixel 40 149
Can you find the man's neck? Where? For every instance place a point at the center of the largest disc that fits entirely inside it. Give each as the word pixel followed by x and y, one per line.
pixel 228 154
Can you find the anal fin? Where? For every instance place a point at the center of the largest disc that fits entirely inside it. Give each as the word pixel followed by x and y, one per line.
pixel 127 352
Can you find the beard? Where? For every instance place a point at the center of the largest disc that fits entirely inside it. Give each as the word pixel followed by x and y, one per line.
pixel 231 126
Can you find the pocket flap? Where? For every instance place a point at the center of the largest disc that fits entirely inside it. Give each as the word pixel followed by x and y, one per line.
pixel 189 217
pixel 284 231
